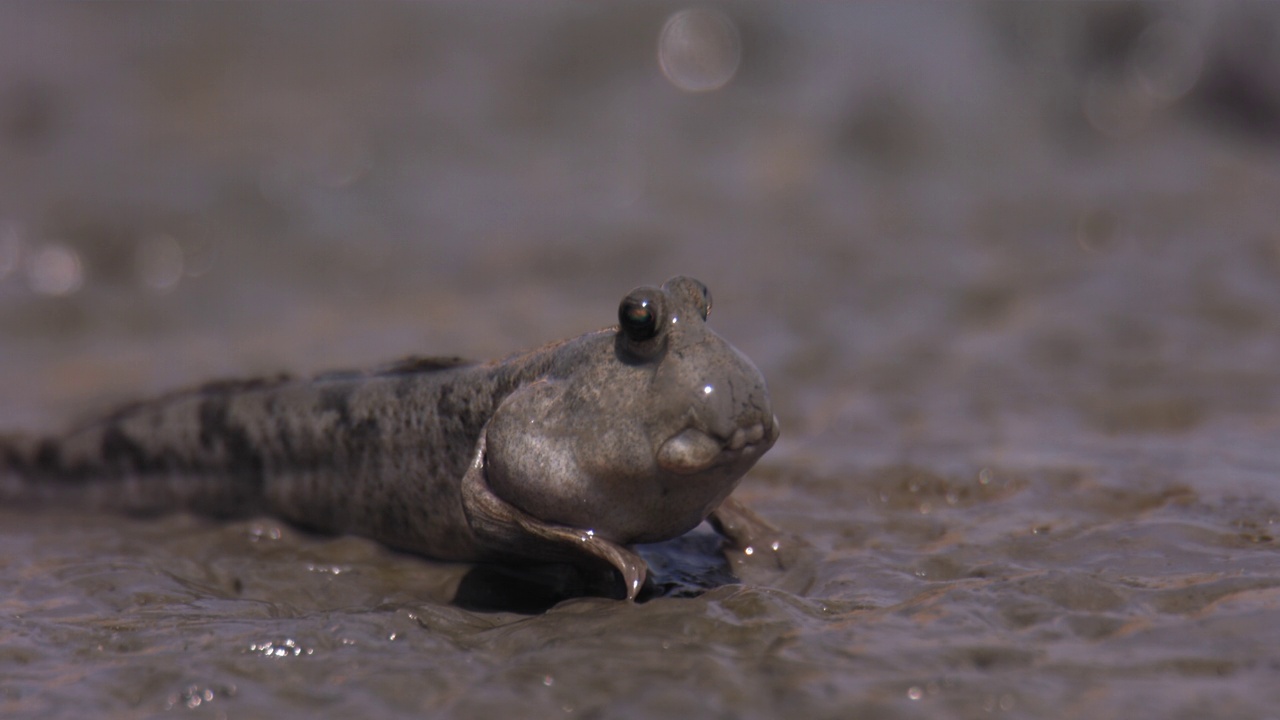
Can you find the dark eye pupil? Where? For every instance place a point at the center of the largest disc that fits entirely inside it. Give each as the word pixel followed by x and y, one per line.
pixel 638 320
pixel 639 316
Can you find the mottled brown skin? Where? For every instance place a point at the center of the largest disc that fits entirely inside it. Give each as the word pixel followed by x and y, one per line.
pixel 570 452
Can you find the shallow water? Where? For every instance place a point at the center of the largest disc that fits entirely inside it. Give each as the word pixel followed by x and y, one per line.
pixel 1015 286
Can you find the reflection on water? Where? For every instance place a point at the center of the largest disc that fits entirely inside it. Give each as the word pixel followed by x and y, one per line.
pixel 1012 272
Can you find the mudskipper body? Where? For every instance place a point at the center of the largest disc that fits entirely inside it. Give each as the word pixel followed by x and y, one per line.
pixel 567 453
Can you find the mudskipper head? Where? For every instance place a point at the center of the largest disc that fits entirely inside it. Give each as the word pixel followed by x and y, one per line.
pixel 640 432
pixel 712 414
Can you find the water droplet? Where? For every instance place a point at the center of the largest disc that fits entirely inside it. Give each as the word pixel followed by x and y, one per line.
pixel 55 270
pixel 548 680
pixel 699 49
pixel 748 550
pixel 915 692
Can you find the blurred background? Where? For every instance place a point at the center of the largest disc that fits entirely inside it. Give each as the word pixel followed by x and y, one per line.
pixel 876 195
pixel 1012 271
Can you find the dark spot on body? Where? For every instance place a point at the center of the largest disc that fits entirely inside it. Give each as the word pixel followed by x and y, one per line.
pixel 213 421
pixel 366 430
pixel 44 458
pixel 450 419
pixel 48 457
pixel 469 405
pixel 119 451
pixel 217 428
pixel 445 406
pixel 357 435
pixel 282 430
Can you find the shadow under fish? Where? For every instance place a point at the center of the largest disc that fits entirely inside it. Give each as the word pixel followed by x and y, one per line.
pixel 683 567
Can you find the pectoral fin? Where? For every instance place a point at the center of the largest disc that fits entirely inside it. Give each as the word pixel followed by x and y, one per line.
pixel 508 532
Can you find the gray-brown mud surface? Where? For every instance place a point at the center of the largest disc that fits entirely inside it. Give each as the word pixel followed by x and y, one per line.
pixel 1013 273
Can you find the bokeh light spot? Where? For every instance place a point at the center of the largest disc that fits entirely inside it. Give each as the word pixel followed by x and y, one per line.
pixel 55 270
pixel 699 49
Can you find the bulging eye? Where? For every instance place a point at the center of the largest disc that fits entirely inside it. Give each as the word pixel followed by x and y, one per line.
pixel 638 318
pixel 704 302
pixel 691 291
pixel 639 315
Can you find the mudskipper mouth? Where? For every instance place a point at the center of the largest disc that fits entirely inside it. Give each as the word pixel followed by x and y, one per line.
pixel 692 450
